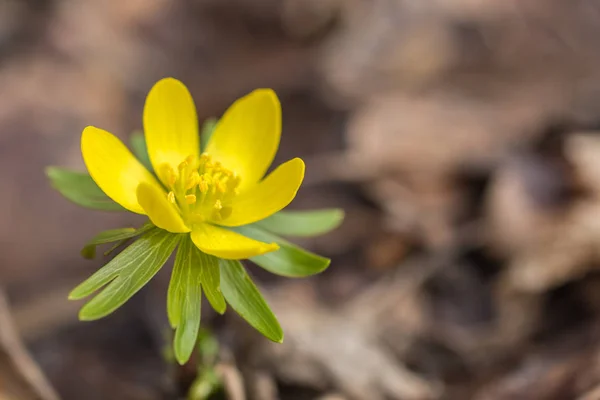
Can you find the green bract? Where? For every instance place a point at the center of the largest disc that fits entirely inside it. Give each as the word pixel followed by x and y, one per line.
pixel 194 272
pixel 81 189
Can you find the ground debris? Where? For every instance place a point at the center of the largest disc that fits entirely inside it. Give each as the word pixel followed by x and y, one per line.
pixel 461 137
pixel 20 376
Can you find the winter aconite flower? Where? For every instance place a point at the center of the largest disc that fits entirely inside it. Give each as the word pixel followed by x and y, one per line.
pixel 200 193
pixel 207 200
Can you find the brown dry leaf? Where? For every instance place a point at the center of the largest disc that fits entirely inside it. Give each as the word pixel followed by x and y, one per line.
pixel 549 246
pixel 342 347
pixel 551 372
pixel 344 353
pixel 439 133
pixel 525 202
pixel 410 148
pixel 565 252
pixel 485 46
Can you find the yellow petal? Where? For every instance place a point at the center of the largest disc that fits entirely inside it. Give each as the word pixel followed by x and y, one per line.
pixel 170 125
pixel 226 244
pixel 161 212
pixel 268 196
pixel 114 169
pixel 247 136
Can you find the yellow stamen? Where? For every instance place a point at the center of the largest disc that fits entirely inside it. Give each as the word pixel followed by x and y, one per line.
pixel 203 185
pixel 202 190
pixel 190 198
pixel 193 180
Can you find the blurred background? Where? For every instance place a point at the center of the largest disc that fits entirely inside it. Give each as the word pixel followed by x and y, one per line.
pixel 460 136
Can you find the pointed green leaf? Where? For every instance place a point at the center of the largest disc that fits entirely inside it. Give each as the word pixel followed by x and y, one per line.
pixel 178 284
pixel 114 247
pixel 208 128
pixel 113 235
pixel 290 260
pixel 81 189
pixel 111 270
pixel 211 282
pixel 303 223
pixel 138 146
pixel 207 268
pixel 184 299
pixel 246 300
pixel 125 274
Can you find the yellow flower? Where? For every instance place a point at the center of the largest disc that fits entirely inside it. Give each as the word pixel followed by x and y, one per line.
pixel 200 193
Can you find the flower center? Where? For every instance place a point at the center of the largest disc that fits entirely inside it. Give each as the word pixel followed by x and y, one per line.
pixel 201 189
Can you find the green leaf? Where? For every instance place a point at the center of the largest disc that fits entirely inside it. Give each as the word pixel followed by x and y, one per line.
pixel 211 282
pixel 207 268
pixel 246 300
pixel 290 260
pixel 138 145
pixel 81 189
pixel 113 235
pixel 208 128
pixel 114 247
pixel 303 223
pixel 125 274
pixel 184 299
